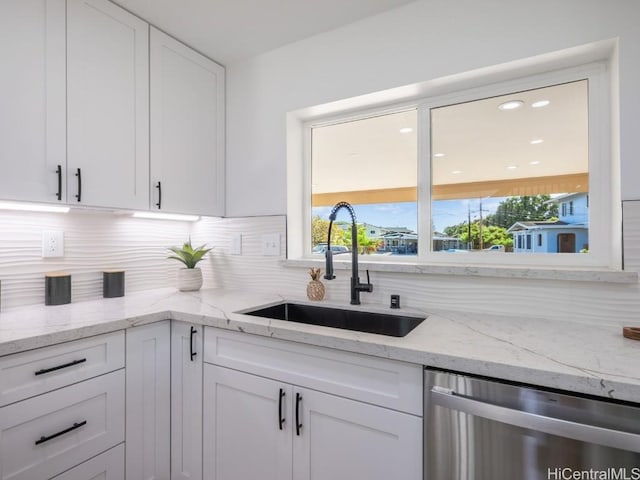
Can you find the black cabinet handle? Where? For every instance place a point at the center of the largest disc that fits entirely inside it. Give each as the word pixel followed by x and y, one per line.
pixel 66 430
pixel 280 417
pixel 60 367
pixel 298 424
pixel 159 187
pixel 59 173
pixel 79 175
pixel 192 349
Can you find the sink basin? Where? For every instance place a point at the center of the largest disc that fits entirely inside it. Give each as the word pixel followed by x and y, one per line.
pixel 369 322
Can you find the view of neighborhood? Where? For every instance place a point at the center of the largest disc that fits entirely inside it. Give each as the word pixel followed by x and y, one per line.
pixel 525 224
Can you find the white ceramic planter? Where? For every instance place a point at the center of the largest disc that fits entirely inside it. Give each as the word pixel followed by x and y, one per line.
pixel 189 279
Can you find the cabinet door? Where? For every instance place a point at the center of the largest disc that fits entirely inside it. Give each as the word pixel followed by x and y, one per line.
pixel 186 401
pixel 32 99
pixel 243 436
pixel 108 106
pixel 343 439
pixel 148 428
pixel 187 129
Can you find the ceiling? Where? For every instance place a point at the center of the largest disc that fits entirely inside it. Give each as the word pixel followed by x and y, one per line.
pixel 478 149
pixel 230 30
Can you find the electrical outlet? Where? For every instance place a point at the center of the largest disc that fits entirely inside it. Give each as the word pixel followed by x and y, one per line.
pixel 236 244
pixel 271 244
pixel 53 243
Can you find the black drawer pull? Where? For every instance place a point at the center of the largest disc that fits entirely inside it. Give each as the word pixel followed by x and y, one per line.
pixel 159 187
pixel 192 350
pixel 280 417
pixel 298 424
pixel 79 175
pixel 59 173
pixel 60 367
pixel 66 430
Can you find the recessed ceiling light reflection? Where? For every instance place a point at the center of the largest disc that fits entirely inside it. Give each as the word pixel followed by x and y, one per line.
pixel 406 130
pixel 535 162
pixel 456 172
pixel 438 155
pixel 537 141
pixel 540 103
pixel 512 167
pixel 511 105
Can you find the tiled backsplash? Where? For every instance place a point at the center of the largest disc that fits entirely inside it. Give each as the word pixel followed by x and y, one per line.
pixel 103 240
pixel 92 242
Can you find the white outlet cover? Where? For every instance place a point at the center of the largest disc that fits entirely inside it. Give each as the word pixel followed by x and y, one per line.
pixel 271 244
pixel 52 243
pixel 236 244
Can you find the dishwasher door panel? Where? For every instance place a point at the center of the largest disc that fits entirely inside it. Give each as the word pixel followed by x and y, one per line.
pixel 477 429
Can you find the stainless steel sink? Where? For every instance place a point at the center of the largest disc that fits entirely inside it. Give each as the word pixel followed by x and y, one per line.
pixel 369 322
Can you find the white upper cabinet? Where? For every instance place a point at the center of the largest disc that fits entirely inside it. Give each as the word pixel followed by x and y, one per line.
pixel 108 106
pixel 32 100
pixel 187 129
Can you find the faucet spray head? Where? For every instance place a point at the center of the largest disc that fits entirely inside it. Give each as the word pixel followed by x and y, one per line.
pixel 328 274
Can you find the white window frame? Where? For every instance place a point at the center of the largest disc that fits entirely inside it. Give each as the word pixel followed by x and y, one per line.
pixel 604 251
pixel 604 215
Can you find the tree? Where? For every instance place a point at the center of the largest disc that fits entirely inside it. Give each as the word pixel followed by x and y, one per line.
pixel 491 234
pixel 522 209
pixel 319 230
pixel 366 245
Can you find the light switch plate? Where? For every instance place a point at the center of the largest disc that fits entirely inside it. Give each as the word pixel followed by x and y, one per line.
pixel 52 243
pixel 271 244
pixel 236 244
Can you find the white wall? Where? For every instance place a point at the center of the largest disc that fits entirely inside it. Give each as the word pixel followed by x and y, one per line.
pixel 424 40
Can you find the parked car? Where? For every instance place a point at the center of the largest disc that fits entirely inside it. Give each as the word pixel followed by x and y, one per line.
pixel 322 247
pixel 495 248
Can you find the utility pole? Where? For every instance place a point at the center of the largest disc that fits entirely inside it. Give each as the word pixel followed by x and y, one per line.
pixel 469 244
pixel 480 226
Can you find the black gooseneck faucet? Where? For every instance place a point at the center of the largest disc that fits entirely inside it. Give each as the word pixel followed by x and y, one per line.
pixel 356 286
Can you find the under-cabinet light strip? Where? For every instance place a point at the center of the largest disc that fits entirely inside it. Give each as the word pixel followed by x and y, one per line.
pixel 33 207
pixel 167 216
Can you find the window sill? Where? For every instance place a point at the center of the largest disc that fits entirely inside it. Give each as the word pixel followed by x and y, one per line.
pixel 537 273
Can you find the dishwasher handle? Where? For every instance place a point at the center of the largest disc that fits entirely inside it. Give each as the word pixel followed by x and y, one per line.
pixel 554 426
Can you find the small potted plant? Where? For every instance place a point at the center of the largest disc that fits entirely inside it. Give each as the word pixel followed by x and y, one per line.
pixel 190 277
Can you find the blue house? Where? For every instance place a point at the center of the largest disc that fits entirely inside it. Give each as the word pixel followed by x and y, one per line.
pixel 569 234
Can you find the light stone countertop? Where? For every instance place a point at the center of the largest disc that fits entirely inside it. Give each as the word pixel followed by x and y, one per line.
pixel 563 355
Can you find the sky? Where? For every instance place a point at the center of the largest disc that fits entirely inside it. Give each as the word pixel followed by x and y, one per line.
pixel 405 214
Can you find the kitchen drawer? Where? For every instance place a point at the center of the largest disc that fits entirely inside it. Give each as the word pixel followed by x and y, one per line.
pixel 383 382
pixel 46 435
pixel 26 374
pixel 106 466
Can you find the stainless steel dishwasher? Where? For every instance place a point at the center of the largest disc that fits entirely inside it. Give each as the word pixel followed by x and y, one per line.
pixel 481 429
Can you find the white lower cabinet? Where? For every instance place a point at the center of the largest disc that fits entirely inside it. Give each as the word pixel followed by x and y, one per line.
pixel 202 403
pixel 148 429
pixel 268 428
pixel 341 439
pixel 243 435
pixel 106 466
pixel 164 401
pixel 186 401
pixel 48 434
